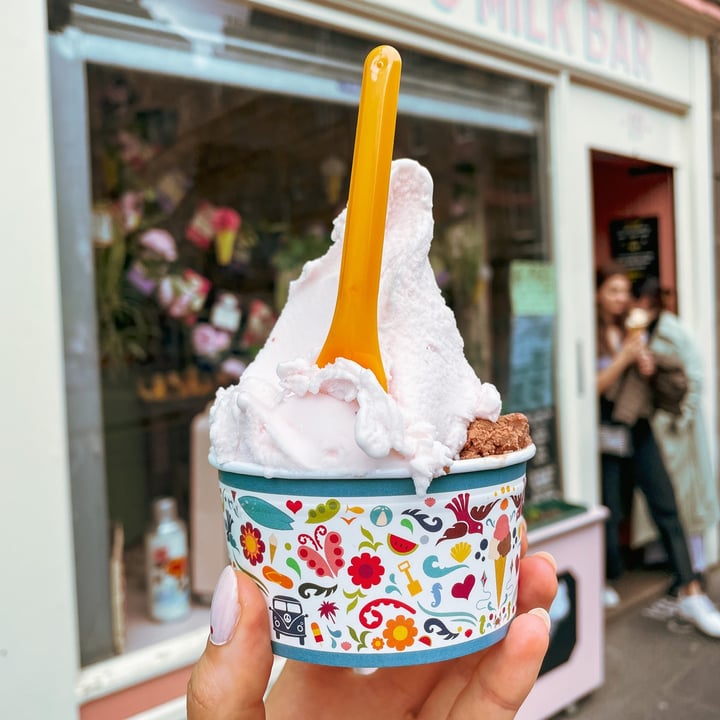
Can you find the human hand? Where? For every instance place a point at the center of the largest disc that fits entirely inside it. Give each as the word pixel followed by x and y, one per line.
pixel 230 679
pixel 645 363
pixel 632 347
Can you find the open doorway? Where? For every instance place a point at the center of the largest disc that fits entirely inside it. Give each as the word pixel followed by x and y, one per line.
pixel 634 220
pixel 634 224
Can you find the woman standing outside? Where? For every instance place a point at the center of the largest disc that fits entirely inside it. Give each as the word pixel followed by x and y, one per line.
pixel 682 438
pixel 629 453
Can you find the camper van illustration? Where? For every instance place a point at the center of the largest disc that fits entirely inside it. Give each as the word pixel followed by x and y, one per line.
pixel 288 617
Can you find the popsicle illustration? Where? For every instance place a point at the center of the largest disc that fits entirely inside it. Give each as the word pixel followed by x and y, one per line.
pixel 353 332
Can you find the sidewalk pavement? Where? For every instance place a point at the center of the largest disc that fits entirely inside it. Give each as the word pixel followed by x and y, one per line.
pixel 655 669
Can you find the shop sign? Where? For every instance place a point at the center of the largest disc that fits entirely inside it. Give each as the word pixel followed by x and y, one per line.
pixel 634 243
pixel 595 36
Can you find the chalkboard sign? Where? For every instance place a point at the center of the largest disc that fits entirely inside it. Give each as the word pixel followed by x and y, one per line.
pixel 543 479
pixel 634 244
pixel 531 363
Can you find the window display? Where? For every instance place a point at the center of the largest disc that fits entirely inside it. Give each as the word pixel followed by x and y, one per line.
pixel 207 199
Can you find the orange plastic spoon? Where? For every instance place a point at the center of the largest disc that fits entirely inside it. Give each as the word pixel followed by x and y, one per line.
pixel 353 332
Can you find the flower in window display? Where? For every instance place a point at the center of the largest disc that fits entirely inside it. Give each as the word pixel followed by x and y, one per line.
pixel 210 342
pixel 260 322
pixel 253 546
pixel 400 633
pixel 366 570
pixel 183 295
pixel 131 206
pixel 171 189
pixel 156 250
pixel 133 150
pixel 160 245
pixel 138 275
pixel 229 371
pixel 200 231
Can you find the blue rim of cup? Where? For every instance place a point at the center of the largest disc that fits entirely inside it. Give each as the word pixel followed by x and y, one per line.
pixel 421 656
pixel 463 475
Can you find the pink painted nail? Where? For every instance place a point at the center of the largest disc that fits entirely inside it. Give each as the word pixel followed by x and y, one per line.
pixel 224 610
pixel 543 615
pixel 547 557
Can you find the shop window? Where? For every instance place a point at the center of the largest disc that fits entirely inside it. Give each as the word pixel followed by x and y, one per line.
pixel 206 200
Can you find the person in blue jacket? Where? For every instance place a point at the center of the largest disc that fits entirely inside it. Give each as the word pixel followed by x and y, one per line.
pixel 682 437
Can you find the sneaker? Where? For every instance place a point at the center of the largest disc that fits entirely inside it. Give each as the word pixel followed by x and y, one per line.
pixel 700 611
pixel 664 608
pixel 610 597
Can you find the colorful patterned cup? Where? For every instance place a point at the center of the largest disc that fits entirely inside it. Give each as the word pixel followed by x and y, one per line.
pixel 363 572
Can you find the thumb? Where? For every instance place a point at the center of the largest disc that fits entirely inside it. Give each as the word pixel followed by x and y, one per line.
pixel 230 678
pixel 507 671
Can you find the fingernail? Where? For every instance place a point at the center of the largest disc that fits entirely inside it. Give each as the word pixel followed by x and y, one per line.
pixel 543 615
pixel 224 610
pixel 523 527
pixel 546 556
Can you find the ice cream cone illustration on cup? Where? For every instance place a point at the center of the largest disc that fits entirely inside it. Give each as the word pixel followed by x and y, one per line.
pixel 226 223
pixel 501 544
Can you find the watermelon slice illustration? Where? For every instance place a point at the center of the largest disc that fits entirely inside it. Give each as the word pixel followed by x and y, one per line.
pixel 401 546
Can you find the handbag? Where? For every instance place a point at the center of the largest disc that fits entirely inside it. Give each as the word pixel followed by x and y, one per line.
pixel 669 384
pixel 615 440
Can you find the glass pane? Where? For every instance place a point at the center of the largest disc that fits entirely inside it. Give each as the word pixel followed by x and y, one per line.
pixel 207 199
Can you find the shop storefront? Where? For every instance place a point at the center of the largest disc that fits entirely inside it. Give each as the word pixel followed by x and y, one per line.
pixel 197 157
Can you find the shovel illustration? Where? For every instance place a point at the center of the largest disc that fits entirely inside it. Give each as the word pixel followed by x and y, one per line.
pixel 414 587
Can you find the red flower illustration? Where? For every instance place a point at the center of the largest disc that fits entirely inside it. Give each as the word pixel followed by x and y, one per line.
pixel 366 570
pixel 252 544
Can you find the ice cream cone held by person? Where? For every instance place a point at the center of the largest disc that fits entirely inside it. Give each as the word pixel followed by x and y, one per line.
pixel 637 322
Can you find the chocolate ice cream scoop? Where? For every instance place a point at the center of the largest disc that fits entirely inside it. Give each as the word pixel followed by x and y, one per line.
pixel 504 546
pixel 484 437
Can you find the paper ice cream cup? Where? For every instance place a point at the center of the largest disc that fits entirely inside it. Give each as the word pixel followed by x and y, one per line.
pixel 363 572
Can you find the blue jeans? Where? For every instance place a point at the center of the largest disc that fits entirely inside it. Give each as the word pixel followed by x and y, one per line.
pixel 645 469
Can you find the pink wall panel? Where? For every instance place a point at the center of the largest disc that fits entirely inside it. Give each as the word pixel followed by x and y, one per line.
pixel 138 698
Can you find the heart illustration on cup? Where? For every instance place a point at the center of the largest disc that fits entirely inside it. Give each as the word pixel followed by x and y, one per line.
pixel 463 589
pixel 293 505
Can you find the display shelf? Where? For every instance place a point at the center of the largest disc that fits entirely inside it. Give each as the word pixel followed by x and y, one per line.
pixel 143 631
pixel 133 668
